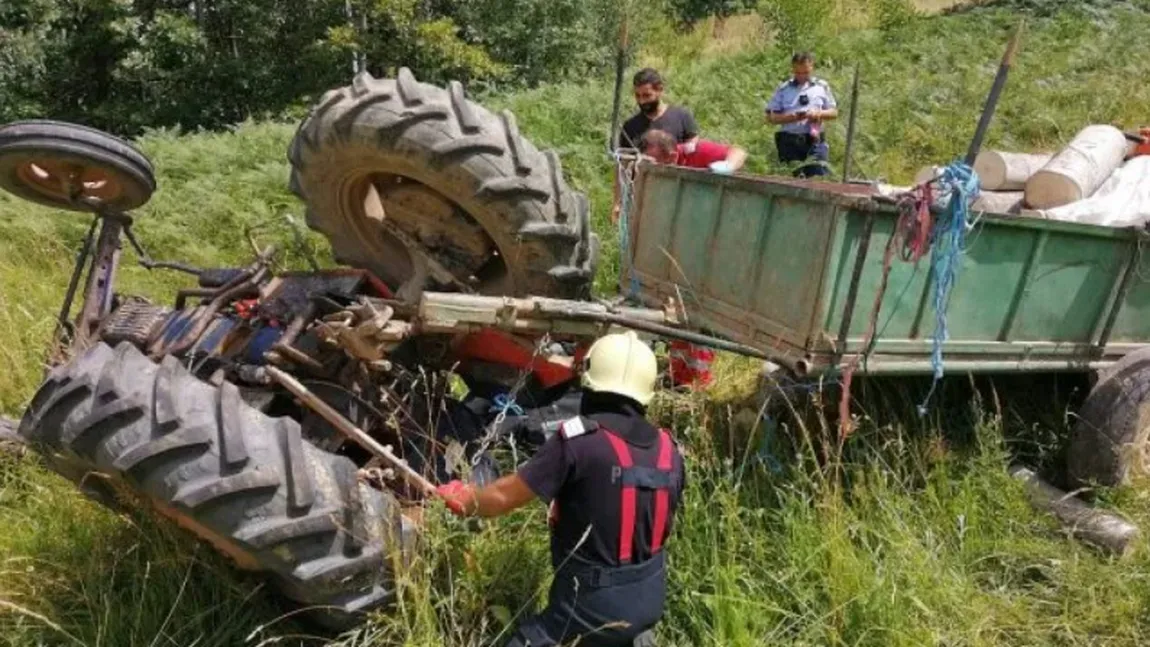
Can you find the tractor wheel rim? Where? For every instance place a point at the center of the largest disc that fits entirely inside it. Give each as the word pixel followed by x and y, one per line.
pixel 68 182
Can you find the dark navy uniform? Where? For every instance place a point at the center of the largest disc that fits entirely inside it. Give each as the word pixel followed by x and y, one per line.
pixel 795 141
pixel 614 482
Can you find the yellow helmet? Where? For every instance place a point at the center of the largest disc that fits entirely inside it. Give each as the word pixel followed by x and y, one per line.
pixel 621 363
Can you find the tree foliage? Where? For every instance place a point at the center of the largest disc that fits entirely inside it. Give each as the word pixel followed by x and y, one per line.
pixel 689 12
pixel 124 65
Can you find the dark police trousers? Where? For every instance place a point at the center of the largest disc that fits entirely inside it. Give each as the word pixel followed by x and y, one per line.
pixel 605 606
pixel 794 147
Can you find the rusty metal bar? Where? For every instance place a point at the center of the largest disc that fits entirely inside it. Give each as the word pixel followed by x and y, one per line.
pixel 349 429
pixel 992 98
pixel 101 275
pixel 74 282
pixel 856 278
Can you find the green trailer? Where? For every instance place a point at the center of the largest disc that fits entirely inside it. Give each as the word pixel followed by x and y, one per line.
pixel 793 267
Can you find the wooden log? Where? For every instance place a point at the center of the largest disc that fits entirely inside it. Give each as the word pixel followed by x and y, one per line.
pixel 926 174
pixel 1078 170
pixel 1002 171
pixel 1008 202
pixel 1102 529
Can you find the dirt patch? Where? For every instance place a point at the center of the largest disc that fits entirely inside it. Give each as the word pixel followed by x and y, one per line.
pixel 10 441
pixel 735 34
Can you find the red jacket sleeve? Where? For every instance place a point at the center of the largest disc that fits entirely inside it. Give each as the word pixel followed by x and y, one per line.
pixel 706 153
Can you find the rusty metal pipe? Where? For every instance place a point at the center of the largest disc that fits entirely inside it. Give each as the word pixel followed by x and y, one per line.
pixel 674 333
pixel 292 354
pixel 297 325
pixel 183 295
pixel 349 429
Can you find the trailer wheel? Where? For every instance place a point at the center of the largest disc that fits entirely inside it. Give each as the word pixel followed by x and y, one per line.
pixel 429 190
pixel 1110 443
pixel 248 484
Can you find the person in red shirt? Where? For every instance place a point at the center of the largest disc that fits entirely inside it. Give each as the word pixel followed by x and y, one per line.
pixel 1142 147
pixel 704 154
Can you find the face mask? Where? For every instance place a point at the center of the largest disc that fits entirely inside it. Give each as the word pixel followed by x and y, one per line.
pixel 649 108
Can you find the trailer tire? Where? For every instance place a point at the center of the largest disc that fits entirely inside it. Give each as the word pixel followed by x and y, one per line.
pixel 460 183
pixel 248 484
pixel 1110 442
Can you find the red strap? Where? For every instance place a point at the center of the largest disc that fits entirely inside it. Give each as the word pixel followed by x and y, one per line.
pixel 627 505
pixel 662 497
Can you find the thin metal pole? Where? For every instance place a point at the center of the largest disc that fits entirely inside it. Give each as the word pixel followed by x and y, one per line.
pixel 671 333
pixel 349 429
pixel 620 66
pixel 851 125
pixel 995 92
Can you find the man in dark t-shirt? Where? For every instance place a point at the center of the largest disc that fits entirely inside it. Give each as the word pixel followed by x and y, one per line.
pixel 614 483
pixel 655 113
pixel 676 121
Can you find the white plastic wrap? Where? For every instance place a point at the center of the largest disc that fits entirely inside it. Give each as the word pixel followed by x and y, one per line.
pixel 1123 200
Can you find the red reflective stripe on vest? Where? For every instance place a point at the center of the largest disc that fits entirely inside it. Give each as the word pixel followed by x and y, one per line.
pixel 628 502
pixel 662 496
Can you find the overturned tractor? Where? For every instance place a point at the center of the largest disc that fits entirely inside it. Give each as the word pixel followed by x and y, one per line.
pixel 294 420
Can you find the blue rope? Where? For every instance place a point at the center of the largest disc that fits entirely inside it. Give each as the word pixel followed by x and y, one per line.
pixel 948 243
pixel 504 403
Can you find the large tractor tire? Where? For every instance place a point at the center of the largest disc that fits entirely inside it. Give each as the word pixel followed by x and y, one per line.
pixel 247 483
pixel 431 191
pixel 1110 443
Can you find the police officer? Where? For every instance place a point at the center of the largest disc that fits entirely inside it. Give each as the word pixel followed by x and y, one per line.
pixel 801 105
pixel 614 483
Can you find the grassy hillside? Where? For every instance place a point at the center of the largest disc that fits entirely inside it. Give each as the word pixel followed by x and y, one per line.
pixel 916 536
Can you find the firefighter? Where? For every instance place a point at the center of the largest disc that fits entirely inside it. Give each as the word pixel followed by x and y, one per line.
pixel 614 483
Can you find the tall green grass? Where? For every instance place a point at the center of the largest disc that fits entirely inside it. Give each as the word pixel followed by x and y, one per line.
pixel 914 535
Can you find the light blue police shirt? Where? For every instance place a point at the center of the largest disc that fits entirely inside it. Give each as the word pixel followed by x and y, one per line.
pixel 786 100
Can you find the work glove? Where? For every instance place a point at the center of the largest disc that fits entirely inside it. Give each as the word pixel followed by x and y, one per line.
pixel 722 167
pixel 459 497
